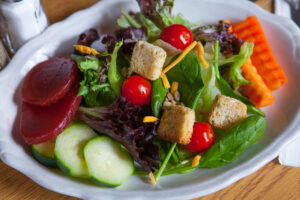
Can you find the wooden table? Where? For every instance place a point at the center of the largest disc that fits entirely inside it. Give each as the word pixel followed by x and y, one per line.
pixel 273 181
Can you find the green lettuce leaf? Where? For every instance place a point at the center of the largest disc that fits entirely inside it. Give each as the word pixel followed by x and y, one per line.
pixel 210 90
pixel 115 77
pixel 226 89
pixel 93 91
pixel 235 76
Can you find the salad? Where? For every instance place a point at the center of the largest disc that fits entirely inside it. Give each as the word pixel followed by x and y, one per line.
pixel 161 95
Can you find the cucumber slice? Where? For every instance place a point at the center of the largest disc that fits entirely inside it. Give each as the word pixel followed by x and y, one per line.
pixel 69 149
pixel 44 153
pixel 108 163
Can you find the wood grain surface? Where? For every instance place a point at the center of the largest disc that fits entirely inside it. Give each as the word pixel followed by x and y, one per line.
pixel 271 182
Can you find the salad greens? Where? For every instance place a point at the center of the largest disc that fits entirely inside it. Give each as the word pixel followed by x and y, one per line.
pixel 198 87
pixel 155 15
pixel 234 142
pixel 93 87
pixel 102 77
pixel 221 32
pixel 159 94
pixel 226 89
pixel 188 75
pixel 138 20
pixel 124 123
pixel 115 77
pixel 235 76
pixel 210 90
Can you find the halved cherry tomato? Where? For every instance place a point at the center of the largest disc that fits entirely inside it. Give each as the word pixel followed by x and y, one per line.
pixel 202 138
pixel 137 90
pixel 177 35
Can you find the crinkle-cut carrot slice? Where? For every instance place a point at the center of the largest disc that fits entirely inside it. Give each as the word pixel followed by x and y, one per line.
pixel 256 91
pixel 262 58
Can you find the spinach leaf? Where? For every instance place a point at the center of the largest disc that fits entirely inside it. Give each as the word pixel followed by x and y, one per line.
pixel 252 110
pixel 188 75
pixel 159 94
pixel 226 89
pixel 115 77
pixel 184 154
pixel 234 142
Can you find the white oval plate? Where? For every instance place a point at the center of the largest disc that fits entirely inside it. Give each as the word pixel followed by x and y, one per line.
pixel 282 117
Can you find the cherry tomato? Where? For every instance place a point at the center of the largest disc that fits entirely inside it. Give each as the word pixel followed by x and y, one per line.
pixel 202 138
pixel 177 35
pixel 137 90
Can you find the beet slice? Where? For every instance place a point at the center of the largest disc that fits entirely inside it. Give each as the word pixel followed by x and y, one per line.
pixel 49 81
pixel 40 124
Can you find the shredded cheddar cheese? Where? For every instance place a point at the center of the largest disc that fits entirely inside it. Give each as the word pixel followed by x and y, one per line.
pixel 180 57
pixel 165 82
pixel 85 49
pixel 196 160
pixel 200 50
pixel 149 119
pixel 153 181
pixel 174 87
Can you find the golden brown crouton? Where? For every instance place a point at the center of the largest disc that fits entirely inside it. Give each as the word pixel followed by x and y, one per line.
pixel 147 60
pixel 176 124
pixel 226 112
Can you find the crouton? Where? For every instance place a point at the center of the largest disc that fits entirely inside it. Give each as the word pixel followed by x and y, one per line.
pixel 170 50
pixel 176 124
pixel 226 112
pixel 147 60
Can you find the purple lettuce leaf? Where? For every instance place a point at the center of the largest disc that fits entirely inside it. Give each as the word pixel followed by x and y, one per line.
pixel 129 36
pixel 88 37
pixel 109 40
pixel 209 33
pixel 158 11
pixel 124 123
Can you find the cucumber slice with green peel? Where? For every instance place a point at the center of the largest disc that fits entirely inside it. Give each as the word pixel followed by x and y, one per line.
pixel 68 150
pixel 108 163
pixel 44 153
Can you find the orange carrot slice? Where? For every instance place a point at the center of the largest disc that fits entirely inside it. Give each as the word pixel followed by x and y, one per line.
pixel 263 59
pixel 256 91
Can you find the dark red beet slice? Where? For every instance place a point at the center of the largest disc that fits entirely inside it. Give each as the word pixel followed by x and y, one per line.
pixel 49 81
pixel 40 124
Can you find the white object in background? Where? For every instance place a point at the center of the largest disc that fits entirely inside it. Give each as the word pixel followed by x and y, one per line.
pixel 290 155
pixel 282 8
pixel 21 20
